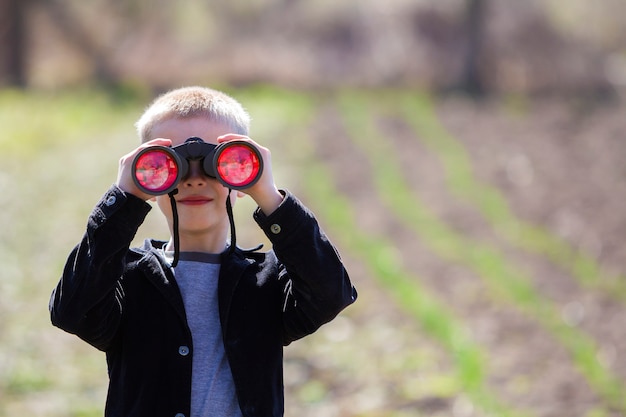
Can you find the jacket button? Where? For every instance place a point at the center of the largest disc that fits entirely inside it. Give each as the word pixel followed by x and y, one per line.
pixel 275 228
pixel 183 351
pixel 110 200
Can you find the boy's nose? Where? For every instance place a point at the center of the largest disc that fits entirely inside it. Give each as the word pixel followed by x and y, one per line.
pixel 195 175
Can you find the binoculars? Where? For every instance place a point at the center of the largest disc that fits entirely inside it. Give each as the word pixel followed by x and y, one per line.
pixel 158 170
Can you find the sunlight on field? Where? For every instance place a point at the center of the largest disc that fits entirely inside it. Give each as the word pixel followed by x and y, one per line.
pixel 54 150
pixel 452 298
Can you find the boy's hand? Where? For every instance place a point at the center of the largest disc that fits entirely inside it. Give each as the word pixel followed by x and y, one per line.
pixel 125 175
pixel 264 192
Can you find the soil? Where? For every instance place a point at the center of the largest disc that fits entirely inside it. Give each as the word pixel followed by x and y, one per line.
pixel 560 167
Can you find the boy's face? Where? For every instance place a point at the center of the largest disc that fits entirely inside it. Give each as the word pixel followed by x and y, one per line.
pixel 201 200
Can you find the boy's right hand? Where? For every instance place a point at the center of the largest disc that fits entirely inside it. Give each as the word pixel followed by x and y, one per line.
pixel 125 172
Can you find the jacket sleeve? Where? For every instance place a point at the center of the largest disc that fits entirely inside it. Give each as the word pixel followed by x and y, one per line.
pixel 88 299
pixel 315 283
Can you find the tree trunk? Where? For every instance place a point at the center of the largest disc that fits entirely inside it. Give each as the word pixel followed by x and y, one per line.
pixel 12 43
pixel 472 80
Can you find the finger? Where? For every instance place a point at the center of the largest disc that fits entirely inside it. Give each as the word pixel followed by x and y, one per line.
pixel 153 142
pixel 156 142
pixel 233 136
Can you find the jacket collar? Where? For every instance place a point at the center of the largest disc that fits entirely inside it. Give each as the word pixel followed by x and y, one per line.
pixel 159 272
pixel 233 266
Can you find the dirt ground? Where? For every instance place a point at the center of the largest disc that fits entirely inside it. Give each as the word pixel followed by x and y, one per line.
pixel 560 167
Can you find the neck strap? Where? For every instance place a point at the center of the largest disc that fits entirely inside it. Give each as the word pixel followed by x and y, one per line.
pixel 175 227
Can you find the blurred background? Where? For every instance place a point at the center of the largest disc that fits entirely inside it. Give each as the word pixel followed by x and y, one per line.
pixel 495 46
pixel 466 156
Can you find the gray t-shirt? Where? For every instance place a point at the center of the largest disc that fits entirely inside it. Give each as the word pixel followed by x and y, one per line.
pixel 212 387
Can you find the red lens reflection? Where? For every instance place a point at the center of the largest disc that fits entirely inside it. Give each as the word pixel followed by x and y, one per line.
pixel 156 171
pixel 238 165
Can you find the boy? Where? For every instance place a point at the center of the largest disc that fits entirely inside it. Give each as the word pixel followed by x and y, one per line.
pixel 204 337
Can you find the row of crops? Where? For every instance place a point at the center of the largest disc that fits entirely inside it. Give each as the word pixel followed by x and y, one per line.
pixel 390 182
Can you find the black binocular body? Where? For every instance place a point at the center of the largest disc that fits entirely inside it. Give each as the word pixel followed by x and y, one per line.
pixel 236 164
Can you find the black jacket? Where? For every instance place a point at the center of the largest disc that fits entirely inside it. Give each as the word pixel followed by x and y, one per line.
pixel 126 303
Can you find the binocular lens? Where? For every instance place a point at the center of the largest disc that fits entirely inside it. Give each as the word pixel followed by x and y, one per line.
pixel 156 171
pixel 238 165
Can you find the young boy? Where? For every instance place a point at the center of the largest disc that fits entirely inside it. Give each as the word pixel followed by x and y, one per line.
pixel 205 337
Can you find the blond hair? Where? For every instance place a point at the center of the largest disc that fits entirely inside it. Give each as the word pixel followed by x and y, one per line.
pixel 188 102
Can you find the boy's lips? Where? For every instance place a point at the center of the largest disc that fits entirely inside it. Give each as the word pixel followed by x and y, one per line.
pixel 195 200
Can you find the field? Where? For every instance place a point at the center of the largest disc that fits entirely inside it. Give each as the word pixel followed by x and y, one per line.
pixel 486 241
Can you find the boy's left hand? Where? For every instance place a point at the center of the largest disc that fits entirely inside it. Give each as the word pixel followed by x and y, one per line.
pixel 264 192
